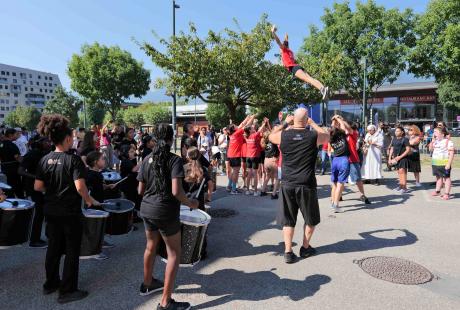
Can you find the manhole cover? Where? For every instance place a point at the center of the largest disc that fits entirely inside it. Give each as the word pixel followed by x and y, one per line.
pixel 224 213
pixel 396 270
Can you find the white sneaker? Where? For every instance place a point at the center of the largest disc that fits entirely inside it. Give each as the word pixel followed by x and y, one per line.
pixel 397 189
pixel 418 184
pixel 101 256
pixel 247 193
pixel 338 210
pixel 324 92
pixel 256 194
pixel 404 191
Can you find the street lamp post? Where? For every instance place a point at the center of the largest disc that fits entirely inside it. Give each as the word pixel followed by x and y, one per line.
pixel 175 6
pixel 363 62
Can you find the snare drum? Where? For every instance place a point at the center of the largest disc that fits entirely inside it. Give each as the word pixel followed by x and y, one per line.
pixel 120 219
pixel 16 217
pixel 111 177
pixel 193 231
pixel 94 222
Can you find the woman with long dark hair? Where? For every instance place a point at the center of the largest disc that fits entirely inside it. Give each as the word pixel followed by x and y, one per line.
pixel 88 145
pixel 160 182
pixel 61 176
pixel 399 151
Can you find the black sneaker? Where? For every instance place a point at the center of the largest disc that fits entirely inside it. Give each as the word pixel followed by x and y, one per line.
pixel 263 194
pixel 70 297
pixel 155 286
pixel 40 244
pixel 174 305
pixel 49 289
pixel 275 196
pixel 365 200
pixel 307 252
pixel 107 245
pixel 290 258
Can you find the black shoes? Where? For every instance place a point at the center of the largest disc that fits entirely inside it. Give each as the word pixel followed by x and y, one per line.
pixel 49 289
pixel 307 252
pixel 40 244
pixel 274 197
pixel 365 200
pixel 290 258
pixel 263 194
pixel 70 297
pixel 155 286
pixel 174 305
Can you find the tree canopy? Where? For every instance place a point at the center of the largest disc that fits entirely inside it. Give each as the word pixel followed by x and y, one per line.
pixel 217 115
pixel 333 54
pixel 107 76
pixel 64 103
pixel 227 68
pixel 23 116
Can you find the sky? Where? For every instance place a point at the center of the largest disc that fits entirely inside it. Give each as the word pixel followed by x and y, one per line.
pixel 43 35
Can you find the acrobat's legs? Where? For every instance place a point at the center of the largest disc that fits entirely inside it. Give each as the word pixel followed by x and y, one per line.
pixel 302 75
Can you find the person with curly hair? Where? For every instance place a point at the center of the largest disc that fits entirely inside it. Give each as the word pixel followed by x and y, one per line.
pixel 61 176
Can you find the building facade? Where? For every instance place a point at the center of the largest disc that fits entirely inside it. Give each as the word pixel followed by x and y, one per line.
pixel 25 87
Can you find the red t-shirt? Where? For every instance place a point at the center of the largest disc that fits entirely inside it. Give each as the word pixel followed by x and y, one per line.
pixel 253 145
pixel 325 146
pixel 352 140
pixel 288 57
pixel 244 148
pixel 235 144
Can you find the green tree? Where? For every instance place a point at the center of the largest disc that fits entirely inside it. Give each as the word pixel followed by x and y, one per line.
pixel 334 52
pixel 107 76
pixel 157 114
pixel 449 93
pixel 227 68
pixel 133 117
pixel 94 113
pixel 27 117
pixel 217 115
pixel 437 52
pixel 64 103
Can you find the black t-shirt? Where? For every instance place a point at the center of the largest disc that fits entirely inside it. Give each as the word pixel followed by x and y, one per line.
pixel 126 141
pixel 160 205
pixel 94 182
pixel 340 147
pixel 299 150
pixel 126 170
pixel 204 162
pixel 86 151
pixel 145 152
pixel 117 139
pixel 271 150
pixel 58 171
pixel 191 189
pixel 8 152
pixel 30 164
pixel 399 146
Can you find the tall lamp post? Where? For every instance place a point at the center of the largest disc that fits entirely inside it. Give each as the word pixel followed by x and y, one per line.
pixel 175 6
pixel 363 63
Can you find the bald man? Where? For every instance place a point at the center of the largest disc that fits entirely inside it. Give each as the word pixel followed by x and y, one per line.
pixel 299 148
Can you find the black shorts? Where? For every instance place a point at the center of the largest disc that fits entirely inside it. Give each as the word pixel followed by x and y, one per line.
pixel 295 198
pixel 294 69
pixel 262 157
pixel 441 171
pixel 166 228
pixel 234 161
pixel 252 162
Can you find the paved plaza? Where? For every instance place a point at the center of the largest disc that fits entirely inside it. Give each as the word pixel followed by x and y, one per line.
pixel 245 268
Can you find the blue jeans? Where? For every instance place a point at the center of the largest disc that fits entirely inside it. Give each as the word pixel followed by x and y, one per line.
pixel 324 160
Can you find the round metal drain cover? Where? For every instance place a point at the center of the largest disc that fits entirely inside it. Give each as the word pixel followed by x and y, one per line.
pixel 223 213
pixel 396 270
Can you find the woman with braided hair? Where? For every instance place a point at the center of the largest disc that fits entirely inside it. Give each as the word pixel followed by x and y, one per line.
pixel 160 183
pixel 61 176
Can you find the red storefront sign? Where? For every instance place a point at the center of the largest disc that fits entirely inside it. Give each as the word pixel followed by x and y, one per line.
pixel 353 101
pixel 426 98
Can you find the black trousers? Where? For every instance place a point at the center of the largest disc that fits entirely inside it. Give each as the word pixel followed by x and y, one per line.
pixel 14 180
pixel 37 223
pixel 64 237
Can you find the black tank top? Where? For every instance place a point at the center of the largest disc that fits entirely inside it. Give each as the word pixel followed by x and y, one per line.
pixel 299 150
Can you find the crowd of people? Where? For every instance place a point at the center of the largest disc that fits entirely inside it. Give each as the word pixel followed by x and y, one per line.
pixel 57 167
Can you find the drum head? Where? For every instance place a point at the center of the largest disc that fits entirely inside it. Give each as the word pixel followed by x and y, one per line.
pixel 194 218
pixel 111 176
pixel 118 205
pixel 4 186
pixel 94 213
pixel 17 204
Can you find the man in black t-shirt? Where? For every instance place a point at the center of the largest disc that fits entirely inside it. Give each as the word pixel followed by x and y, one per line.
pixel 9 156
pixel 298 184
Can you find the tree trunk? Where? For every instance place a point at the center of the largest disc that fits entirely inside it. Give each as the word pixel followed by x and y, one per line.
pixel 231 111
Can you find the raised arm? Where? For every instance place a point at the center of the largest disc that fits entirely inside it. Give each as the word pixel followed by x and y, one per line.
pixel 275 36
pixel 275 136
pixel 247 121
pixel 323 134
pixel 343 125
pixel 264 124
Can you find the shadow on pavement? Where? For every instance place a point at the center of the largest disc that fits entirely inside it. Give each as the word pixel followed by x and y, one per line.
pixel 380 202
pixel 369 242
pixel 252 286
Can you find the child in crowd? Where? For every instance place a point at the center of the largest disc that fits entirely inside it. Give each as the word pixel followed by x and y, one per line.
pixel 442 158
pixel 195 174
pixel 129 169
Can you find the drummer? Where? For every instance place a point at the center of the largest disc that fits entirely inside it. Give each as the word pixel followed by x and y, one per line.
pixel 160 178
pixel 40 146
pixel 62 177
pixel 128 169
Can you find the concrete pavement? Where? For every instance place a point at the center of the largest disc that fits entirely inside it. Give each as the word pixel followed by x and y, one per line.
pixel 245 268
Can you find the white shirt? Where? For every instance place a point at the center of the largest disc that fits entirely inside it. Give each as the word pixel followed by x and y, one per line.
pixel 21 143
